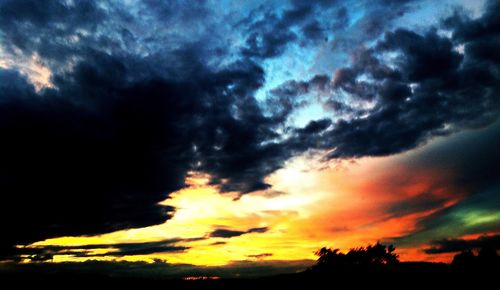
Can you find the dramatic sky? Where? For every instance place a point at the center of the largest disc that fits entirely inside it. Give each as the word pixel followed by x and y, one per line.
pixel 229 133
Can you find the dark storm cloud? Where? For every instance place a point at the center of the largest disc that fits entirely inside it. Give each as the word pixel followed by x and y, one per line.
pixel 226 233
pixel 429 90
pixel 293 89
pixel 116 134
pixel 14 84
pixel 65 32
pixel 37 253
pixel 89 170
pixel 313 30
pixel 377 17
pixel 293 95
pixel 270 34
pixel 465 29
pixel 33 26
pixel 458 245
pixel 315 127
pixel 100 152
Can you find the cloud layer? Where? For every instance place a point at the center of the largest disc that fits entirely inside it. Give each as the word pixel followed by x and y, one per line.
pixel 459 245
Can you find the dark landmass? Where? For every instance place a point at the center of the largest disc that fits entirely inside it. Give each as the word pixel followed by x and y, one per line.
pixel 407 274
pixel 371 266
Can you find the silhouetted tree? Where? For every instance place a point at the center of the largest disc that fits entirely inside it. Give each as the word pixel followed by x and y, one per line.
pixel 463 260
pixel 368 259
pixel 488 257
pixel 487 260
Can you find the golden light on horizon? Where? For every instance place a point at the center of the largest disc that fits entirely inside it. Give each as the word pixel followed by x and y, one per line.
pixel 341 206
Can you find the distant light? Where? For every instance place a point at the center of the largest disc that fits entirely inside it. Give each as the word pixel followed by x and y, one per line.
pixel 195 278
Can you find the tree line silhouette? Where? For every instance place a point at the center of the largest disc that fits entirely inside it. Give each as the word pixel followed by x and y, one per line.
pixel 370 258
pixel 375 265
pixel 487 259
pixel 379 258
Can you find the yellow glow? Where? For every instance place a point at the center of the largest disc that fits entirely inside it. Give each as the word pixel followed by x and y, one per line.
pixel 342 206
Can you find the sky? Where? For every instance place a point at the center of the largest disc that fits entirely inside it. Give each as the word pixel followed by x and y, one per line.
pixel 245 135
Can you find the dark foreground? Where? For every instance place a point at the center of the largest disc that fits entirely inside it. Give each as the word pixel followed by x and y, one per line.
pixel 404 276
pixel 375 266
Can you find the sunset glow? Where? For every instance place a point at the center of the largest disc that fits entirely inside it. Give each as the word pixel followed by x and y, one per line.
pixel 194 140
pixel 355 202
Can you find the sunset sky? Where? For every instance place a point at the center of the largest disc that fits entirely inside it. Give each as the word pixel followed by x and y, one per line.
pixel 229 133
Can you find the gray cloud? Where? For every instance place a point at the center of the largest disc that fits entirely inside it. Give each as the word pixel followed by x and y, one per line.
pixel 39 253
pixel 260 256
pixel 227 233
pixel 459 245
